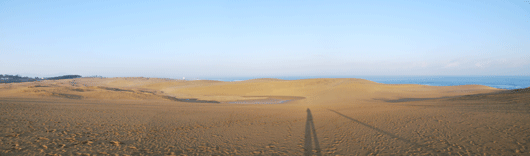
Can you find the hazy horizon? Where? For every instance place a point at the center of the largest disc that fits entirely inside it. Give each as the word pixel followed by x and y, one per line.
pixel 211 39
pixel 293 77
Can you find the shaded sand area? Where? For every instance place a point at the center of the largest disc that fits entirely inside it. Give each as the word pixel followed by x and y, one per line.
pixel 146 116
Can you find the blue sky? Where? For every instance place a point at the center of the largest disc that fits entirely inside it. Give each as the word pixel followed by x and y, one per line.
pixel 215 39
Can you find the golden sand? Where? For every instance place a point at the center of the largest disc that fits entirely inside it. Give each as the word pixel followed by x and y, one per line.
pixel 140 116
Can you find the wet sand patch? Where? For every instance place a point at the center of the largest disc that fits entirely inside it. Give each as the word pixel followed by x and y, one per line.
pixel 268 100
pixel 192 100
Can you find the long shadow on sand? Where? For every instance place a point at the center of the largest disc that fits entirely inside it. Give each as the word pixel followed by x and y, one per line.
pixel 386 133
pixel 310 139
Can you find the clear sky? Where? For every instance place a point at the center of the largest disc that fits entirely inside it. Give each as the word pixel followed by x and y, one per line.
pixel 212 39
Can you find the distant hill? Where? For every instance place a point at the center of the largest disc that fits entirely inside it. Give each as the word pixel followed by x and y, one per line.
pixel 64 77
pixel 16 78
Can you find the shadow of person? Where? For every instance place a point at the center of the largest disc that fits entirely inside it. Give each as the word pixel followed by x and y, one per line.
pixel 311 137
pixel 385 132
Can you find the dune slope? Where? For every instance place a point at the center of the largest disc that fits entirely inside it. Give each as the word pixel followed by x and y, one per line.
pixel 133 116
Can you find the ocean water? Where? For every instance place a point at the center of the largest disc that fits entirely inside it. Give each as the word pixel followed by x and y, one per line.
pixel 502 82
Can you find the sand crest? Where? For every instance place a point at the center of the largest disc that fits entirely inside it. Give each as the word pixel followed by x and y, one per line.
pixel 134 116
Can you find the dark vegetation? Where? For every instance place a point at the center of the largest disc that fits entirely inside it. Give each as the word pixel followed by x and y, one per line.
pixel 64 77
pixel 16 78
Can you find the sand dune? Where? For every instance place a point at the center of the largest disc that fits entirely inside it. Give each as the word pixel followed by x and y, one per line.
pixel 327 90
pixel 140 116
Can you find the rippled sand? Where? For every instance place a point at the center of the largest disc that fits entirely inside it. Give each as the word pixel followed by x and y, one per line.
pixel 134 116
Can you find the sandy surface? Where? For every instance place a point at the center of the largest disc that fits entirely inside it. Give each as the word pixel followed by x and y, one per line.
pixel 134 116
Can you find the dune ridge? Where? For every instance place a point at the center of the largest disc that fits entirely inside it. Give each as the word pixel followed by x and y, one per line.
pixel 254 89
pixel 143 116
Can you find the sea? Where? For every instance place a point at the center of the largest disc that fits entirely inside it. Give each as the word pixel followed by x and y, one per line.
pixel 502 82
